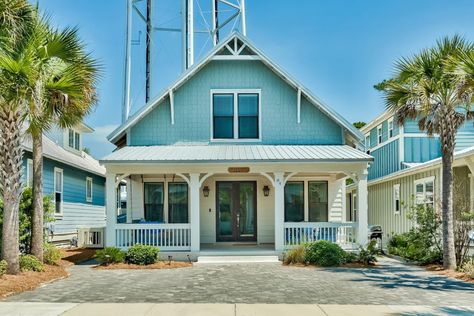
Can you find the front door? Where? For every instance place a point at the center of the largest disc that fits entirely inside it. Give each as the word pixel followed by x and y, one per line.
pixel 236 204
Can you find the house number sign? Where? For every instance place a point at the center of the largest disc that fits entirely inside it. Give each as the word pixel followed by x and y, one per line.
pixel 238 169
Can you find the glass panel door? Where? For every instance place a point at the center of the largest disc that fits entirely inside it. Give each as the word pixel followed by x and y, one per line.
pixel 246 216
pixel 225 230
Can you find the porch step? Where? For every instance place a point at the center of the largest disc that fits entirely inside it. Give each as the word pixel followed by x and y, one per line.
pixel 236 259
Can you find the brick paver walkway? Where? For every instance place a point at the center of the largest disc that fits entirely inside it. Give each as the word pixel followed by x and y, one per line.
pixel 392 284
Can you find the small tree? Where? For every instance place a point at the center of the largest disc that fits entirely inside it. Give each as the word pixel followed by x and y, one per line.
pixel 463 222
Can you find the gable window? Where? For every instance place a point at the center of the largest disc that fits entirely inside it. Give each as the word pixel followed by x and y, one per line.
pixel 74 139
pixel 390 128
pixel 294 202
pixel 318 201
pixel 367 143
pixel 154 197
pixel 29 173
pixel 379 134
pixel 396 198
pixel 177 202
pixel 235 114
pixel 89 189
pixel 424 191
pixel 58 190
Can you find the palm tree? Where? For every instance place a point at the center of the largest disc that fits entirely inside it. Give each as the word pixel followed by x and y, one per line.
pixel 425 88
pixel 15 17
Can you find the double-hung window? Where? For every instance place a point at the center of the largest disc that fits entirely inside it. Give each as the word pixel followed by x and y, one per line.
pixel 74 139
pixel 367 143
pixel 58 190
pixel 235 114
pixel 154 199
pixel 89 189
pixel 316 207
pixel 390 128
pixel 379 134
pixel 396 199
pixel 318 201
pixel 424 191
pixel 177 202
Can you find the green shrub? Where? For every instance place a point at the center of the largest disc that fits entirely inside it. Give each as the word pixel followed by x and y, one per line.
pixel 295 255
pixel 350 257
pixel 142 254
pixel 468 267
pixel 110 255
pixel 3 267
pixel 51 254
pixel 367 255
pixel 30 263
pixel 324 253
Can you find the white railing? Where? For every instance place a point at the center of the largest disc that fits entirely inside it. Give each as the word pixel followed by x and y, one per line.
pixel 343 234
pixel 164 236
pixel 91 237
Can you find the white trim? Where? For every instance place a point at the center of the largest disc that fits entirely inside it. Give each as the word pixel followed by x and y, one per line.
pixel 388 141
pixel 236 57
pixel 401 143
pixel 395 197
pixel 29 172
pixel 423 181
pixel 377 121
pixel 390 121
pixel 236 93
pixel 298 106
pixel 379 136
pixel 89 180
pixel 67 144
pixel 58 170
pixel 471 191
pixel 171 106
pixel 367 145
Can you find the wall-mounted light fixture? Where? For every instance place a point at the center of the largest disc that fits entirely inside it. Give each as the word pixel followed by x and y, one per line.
pixel 205 191
pixel 266 190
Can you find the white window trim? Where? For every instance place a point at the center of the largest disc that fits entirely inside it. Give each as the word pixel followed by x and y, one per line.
pixel 367 141
pixel 236 138
pixel 390 129
pixel 424 181
pixel 379 136
pixel 62 190
pixel 29 171
pixel 396 188
pixel 89 179
pixel 74 140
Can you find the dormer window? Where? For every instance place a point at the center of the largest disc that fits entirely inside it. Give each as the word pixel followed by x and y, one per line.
pixel 74 139
pixel 235 115
pixel 390 128
pixel 379 134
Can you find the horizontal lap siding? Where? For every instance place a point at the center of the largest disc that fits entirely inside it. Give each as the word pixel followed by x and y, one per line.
pixel 380 206
pixel 76 215
pixel 278 109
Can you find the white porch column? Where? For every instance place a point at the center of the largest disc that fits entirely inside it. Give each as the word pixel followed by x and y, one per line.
pixel 194 185
pixel 279 185
pixel 110 209
pixel 362 208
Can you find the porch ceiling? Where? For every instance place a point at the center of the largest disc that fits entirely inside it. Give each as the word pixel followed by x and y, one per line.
pixel 236 153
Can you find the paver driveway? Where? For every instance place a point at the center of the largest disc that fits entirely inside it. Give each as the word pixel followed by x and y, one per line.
pixel 392 284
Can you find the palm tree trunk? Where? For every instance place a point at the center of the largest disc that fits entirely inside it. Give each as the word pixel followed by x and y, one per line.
pixel 37 218
pixel 449 254
pixel 10 183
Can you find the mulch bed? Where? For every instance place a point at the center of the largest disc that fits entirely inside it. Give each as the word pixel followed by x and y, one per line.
pixel 27 281
pixel 438 269
pixel 157 265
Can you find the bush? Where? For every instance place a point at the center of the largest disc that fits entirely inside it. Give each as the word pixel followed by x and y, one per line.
pixel 51 254
pixel 295 255
pixel 110 255
pixel 142 254
pixel 324 253
pixel 351 257
pixel 30 263
pixel 367 255
pixel 3 267
pixel 468 267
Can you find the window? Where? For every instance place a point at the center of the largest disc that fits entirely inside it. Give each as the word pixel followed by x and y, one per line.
pixel 396 198
pixel 177 202
pixel 236 115
pixel 89 189
pixel 58 190
pixel 318 201
pixel 153 201
pixel 367 143
pixel 29 173
pixel 74 139
pixel 379 134
pixel 424 191
pixel 390 128
pixel 294 202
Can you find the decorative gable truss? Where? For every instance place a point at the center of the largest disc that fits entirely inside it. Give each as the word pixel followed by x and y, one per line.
pixel 236 49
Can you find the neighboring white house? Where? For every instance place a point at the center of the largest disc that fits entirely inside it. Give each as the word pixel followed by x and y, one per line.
pixel 235 151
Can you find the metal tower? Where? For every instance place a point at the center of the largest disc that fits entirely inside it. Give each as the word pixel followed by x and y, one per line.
pixel 221 18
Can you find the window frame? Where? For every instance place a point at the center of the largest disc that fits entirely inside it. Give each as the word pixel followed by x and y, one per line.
pixel 303 182
pixel 61 171
pixel 396 207
pixel 164 196
pixel 168 206
pixel 76 136
pixel 424 181
pixel 390 128
pixel 327 200
pixel 379 135
pixel 236 93
pixel 91 181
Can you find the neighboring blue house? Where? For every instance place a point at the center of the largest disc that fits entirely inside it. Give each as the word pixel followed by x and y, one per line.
pixel 235 151
pixel 74 180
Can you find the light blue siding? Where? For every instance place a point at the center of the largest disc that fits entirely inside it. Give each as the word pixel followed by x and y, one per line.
pixel 384 131
pixel 386 160
pixel 278 109
pixel 373 137
pixel 411 126
pixel 421 149
pixel 465 136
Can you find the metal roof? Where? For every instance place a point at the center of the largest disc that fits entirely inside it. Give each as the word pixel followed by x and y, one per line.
pixel 236 153
pixel 53 151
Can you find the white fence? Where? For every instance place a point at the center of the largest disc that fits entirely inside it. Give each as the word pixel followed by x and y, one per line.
pixel 343 234
pixel 91 237
pixel 164 236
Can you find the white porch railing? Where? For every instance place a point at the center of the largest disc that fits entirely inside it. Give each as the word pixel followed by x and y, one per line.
pixel 343 234
pixel 164 236
pixel 90 237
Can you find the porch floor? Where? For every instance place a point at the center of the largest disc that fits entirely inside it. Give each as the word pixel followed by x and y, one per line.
pixel 237 249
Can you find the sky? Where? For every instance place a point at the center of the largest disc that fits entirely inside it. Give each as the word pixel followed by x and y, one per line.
pixel 337 48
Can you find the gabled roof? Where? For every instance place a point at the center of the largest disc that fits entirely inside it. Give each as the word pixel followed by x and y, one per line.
pixel 236 153
pixel 255 54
